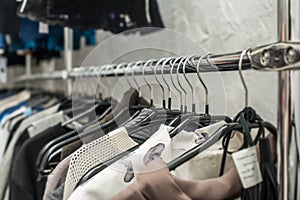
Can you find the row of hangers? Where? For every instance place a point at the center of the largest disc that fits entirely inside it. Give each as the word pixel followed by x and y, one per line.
pixel 244 121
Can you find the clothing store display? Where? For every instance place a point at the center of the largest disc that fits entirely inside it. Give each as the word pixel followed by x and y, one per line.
pixel 105 148
pixel 7 159
pixel 113 152
pixel 158 145
pixel 26 187
pixel 155 178
pixel 156 137
pixel 130 98
pixel 14 100
pixel 6 131
pixel 155 182
pixel 42 124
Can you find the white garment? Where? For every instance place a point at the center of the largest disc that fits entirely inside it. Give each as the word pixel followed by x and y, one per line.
pixel 15 120
pixel 4 135
pixel 14 100
pixel 12 115
pixel 7 159
pixel 4 132
pixel 44 123
pixel 120 174
pixel 14 97
pixel 95 152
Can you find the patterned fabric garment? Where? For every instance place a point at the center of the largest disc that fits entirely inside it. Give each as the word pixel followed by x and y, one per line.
pixel 123 172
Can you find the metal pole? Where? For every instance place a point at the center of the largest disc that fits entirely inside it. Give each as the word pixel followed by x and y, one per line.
pixel 288 29
pixel 68 51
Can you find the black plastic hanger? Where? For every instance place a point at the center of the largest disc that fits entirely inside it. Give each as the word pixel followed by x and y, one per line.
pixel 226 130
pixel 72 137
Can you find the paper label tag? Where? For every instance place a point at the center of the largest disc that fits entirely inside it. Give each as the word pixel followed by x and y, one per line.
pixel 3 70
pixel 43 28
pixel 247 166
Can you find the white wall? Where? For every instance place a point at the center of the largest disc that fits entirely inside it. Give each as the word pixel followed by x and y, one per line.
pixel 219 26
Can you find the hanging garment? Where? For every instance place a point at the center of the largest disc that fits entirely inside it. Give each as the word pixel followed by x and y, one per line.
pixel 115 16
pixel 11 109
pixel 24 183
pixel 125 170
pixel 130 98
pixel 43 124
pixel 14 100
pixel 7 159
pixel 57 194
pixel 106 147
pixel 94 149
pixel 154 182
pixel 57 178
pixel 12 115
pixel 5 131
pixel 9 22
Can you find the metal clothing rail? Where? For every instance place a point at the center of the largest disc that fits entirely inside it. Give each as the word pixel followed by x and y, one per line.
pixel 43 76
pixel 277 56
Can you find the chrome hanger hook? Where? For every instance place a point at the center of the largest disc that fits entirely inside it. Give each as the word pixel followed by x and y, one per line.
pixel 184 91
pixel 244 52
pixel 119 66
pixel 159 83
pixel 134 79
pixel 202 82
pixel 148 84
pixel 164 79
pixel 126 73
pixel 190 85
pixel 172 80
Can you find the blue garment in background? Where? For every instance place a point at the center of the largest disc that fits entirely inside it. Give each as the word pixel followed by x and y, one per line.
pixel 16 44
pixel 2 41
pixel 12 109
pixel 5 95
pixel 54 40
pixel 89 35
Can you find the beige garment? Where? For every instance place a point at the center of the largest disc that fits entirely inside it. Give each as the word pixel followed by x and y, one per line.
pixel 57 177
pixel 155 183
pixel 123 172
pixel 14 97
pixel 7 158
pixel 44 123
pixel 14 100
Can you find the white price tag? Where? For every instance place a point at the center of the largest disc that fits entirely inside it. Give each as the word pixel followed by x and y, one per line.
pixel 247 166
pixel 43 28
pixel 3 70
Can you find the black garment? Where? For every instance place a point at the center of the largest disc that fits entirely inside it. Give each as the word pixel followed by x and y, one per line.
pixel 24 182
pixel 13 58
pixel 9 22
pixel 114 15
